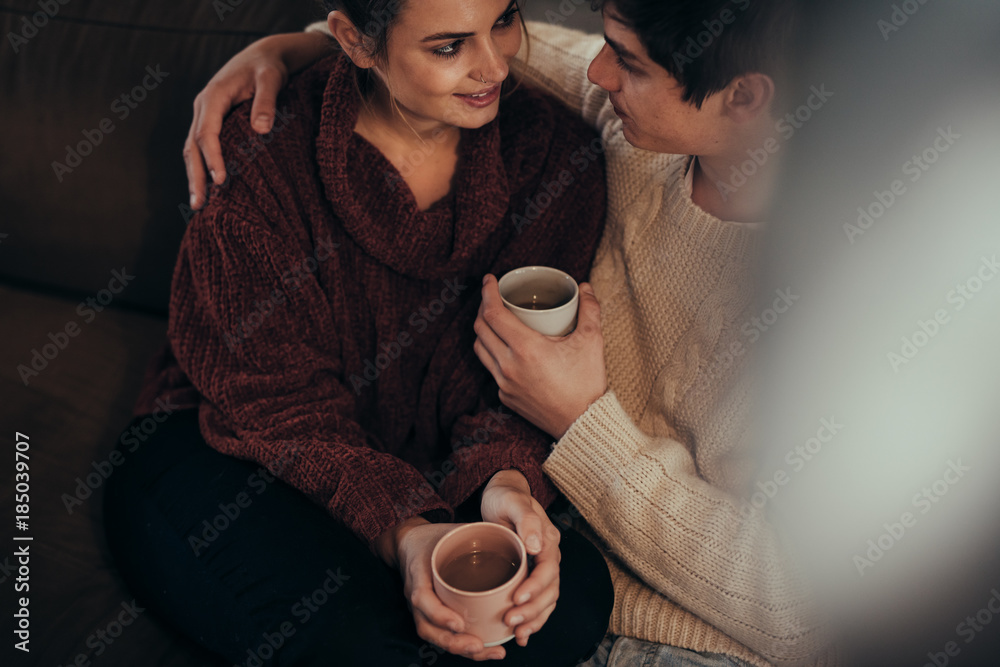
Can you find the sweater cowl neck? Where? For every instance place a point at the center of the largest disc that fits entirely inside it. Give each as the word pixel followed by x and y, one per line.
pixel 377 209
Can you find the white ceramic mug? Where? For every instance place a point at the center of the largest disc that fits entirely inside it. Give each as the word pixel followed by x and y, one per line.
pixel 544 298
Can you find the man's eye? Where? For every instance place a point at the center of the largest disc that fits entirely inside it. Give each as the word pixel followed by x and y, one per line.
pixel 624 65
pixel 507 19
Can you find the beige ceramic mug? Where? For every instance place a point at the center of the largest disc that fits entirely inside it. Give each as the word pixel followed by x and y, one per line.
pixel 476 568
pixel 544 298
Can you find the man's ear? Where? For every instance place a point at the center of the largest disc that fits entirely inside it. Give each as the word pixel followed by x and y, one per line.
pixel 748 97
pixel 351 41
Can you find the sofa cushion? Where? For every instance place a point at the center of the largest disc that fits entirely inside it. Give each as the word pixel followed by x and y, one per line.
pixel 72 413
pixel 96 105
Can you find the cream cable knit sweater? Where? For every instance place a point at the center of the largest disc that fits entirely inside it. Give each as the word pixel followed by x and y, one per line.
pixel 657 466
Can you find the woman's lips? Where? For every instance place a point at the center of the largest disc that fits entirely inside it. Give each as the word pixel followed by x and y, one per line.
pixel 483 98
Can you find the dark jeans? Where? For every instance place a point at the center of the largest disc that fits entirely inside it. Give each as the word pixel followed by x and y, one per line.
pixel 254 571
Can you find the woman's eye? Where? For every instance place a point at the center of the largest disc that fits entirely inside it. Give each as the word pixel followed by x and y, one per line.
pixel 449 50
pixel 622 64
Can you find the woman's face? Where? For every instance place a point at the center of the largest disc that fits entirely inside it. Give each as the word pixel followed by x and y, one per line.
pixel 440 53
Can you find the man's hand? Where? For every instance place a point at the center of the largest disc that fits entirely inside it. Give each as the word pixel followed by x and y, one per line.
pixel 408 546
pixel 259 71
pixel 548 381
pixel 507 500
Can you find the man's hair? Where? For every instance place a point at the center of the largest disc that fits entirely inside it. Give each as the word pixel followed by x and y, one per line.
pixel 705 44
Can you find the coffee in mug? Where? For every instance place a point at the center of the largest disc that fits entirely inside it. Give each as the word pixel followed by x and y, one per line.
pixel 543 298
pixel 478 571
pixel 476 568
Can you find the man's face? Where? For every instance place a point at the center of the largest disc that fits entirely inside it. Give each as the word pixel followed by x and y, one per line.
pixel 648 98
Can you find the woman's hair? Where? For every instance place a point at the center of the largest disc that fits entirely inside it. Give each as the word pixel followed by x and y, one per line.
pixel 374 18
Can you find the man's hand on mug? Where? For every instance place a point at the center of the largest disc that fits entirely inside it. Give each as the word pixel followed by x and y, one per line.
pixel 507 500
pixel 548 381
pixel 408 546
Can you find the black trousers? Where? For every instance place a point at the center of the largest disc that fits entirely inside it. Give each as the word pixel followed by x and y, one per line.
pixel 254 571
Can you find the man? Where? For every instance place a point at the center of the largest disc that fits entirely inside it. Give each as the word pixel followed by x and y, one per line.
pixel 646 399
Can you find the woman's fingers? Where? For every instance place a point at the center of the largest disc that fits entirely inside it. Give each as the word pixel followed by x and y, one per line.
pixel 459 644
pixel 424 600
pixel 536 605
pixel 529 529
pixel 524 631
pixel 546 572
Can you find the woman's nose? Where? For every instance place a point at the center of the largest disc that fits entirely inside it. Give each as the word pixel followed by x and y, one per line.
pixel 494 65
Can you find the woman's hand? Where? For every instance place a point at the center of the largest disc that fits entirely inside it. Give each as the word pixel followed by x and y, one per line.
pixel 408 546
pixel 549 381
pixel 259 71
pixel 507 500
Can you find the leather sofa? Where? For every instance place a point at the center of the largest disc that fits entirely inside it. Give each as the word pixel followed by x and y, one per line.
pixel 95 100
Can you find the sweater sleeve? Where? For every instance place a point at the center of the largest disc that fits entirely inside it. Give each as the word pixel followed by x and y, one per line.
pixel 496 439
pixel 556 61
pixel 683 536
pixel 319 26
pixel 258 340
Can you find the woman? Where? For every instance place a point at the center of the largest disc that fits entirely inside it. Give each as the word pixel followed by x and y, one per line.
pixel 321 330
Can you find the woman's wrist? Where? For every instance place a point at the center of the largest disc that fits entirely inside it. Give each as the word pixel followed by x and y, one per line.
pixel 511 477
pixel 387 545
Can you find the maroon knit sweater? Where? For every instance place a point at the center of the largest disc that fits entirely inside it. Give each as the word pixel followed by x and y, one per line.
pixel 322 324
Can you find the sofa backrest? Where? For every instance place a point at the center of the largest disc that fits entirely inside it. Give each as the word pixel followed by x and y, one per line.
pixel 95 103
